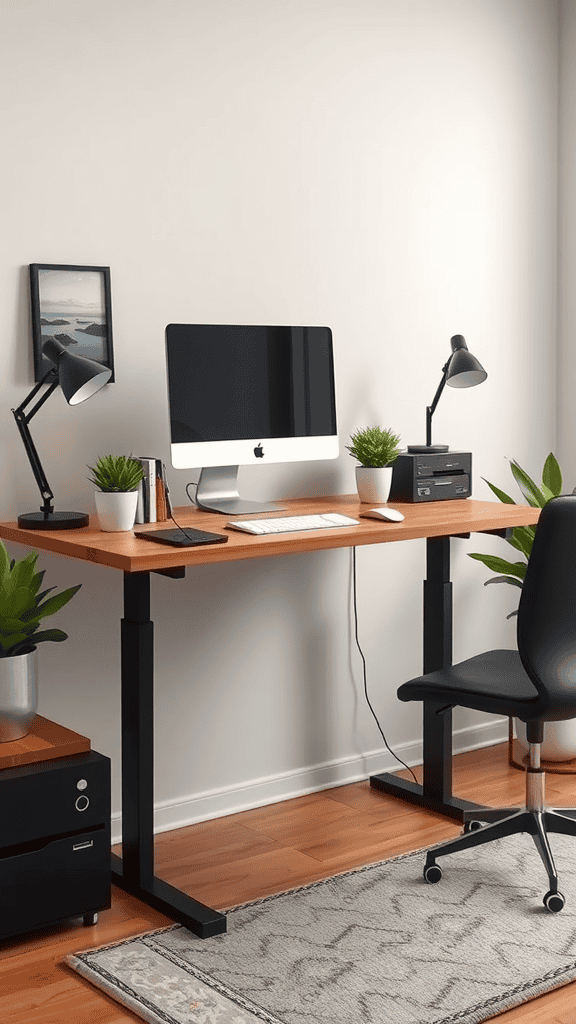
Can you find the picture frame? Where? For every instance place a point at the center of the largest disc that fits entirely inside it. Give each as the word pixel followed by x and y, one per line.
pixel 73 304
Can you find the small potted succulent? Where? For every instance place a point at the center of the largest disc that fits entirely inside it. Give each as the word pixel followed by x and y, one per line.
pixel 22 606
pixel 375 448
pixel 117 477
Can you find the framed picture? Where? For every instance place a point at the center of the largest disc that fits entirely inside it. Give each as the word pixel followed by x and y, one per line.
pixel 73 305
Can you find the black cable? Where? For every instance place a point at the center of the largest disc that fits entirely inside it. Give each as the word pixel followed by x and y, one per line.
pixel 192 500
pixel 364 668
pixel 182 528
pixel 399 759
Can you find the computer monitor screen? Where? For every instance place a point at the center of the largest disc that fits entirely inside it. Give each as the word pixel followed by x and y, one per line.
pixel 247 395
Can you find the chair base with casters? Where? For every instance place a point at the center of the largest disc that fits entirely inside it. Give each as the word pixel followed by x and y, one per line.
pixel 536 683
pixel 485 824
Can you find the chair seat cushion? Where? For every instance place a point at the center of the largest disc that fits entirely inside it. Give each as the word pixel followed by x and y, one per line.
pixel 494 682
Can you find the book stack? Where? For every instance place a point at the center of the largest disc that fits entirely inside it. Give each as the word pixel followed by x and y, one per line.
pixel 153 495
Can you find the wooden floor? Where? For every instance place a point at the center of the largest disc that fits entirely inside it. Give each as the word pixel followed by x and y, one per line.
pixel 243 856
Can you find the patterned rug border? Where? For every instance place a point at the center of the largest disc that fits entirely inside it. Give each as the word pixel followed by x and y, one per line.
pixel 139 1005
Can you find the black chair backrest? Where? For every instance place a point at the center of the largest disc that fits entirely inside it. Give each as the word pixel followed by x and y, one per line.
pixel 546 630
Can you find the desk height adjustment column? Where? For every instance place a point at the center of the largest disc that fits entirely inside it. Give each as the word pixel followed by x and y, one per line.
pixel 437 721
pixel 137 668
pixel 436 790
pixel 134 871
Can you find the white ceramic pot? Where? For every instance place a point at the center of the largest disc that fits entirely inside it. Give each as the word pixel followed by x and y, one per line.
pixel 18 695
pixel 559 739
pixel 373 484
pixel 116 509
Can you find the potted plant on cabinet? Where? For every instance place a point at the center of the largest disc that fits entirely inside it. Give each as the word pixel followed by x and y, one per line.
pixel 559 737
pixel 117 477
pixel 22 606
pixel 376 449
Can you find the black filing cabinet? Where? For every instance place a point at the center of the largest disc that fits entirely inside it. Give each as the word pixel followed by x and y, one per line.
pixel 54 842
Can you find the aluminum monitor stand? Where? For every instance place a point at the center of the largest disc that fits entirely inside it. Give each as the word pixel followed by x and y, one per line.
pixel 217 491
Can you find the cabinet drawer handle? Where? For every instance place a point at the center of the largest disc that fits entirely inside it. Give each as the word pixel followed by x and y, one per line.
pixel 83 846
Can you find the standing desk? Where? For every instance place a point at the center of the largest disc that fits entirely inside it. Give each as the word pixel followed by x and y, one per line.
pixel 137 559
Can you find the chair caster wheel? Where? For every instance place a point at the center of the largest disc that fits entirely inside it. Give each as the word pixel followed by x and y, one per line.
pixel 432 873
pixel 89 919
pixel 471 826
pixel 554 902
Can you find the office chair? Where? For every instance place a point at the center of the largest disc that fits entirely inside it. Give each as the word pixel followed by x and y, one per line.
pixel 536 683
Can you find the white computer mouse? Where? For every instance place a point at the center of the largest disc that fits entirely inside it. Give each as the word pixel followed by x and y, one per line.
pixel 390 514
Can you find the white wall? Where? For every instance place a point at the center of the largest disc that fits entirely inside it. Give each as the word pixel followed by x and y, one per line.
pixel 567 240
pixel 387 168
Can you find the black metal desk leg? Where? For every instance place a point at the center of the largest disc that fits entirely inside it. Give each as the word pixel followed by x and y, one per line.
pixel 436 791
pixel 437 725
pixel 134 872
pixel 137 667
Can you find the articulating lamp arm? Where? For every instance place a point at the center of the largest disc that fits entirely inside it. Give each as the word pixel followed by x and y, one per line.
pixel 22 421
pixel 430 408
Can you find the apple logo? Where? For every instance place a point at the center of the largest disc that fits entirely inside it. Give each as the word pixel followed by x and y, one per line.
pixel 259 451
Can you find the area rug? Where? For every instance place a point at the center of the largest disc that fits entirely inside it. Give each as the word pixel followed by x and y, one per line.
pixel 376 945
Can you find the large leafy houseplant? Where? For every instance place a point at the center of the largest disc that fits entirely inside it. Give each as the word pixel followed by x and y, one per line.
pixel 522 536
pixel 23 605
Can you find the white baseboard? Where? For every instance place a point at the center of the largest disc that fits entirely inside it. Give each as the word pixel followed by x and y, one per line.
pixel 217 803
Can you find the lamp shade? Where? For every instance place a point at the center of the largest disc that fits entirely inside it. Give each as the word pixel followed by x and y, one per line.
pixel 79 377
pixel 464 370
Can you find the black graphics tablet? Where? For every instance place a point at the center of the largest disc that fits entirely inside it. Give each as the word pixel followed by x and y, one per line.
pixel 184 538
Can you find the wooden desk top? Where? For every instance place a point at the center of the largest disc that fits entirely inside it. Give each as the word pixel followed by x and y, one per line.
pixel 131 554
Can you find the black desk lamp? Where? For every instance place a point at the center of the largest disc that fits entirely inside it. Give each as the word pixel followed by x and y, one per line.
pixel 79 378
pixel 461 371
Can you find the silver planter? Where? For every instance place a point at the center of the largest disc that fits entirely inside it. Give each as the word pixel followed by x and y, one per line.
pixel 18 695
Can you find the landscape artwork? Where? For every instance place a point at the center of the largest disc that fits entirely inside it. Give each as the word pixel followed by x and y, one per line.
pixel 71 304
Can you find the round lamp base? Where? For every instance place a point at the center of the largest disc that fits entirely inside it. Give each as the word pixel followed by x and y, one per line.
pixel 53 520
pixel 426 449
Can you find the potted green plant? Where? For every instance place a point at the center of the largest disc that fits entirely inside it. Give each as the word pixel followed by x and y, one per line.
pixel 22 607
pixel 117 477
pixel 376 449
pixel 559 737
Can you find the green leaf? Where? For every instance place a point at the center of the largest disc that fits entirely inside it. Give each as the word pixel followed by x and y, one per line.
pixel 21 601
pixel 499 494
pixel 8 625
pixel 552 475
pixel 28 623
pixel 54 604
pixel 500 565
pixel 56 635
pixel 548 494
pixel 31 614
pixel 23 643
pixel 4 562
pixel 22 573
pixel 504 579
pixel 515 543
pixel 531 492
pixel 522 539
pixel 10 643
pixel 36 582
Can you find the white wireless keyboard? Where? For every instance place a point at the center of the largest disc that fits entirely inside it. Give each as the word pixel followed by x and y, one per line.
pixel 292 524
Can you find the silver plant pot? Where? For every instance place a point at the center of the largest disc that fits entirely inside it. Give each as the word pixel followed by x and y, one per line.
pixel 18 695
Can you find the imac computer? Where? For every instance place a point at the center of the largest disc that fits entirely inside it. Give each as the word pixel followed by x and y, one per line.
pixel 245 396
